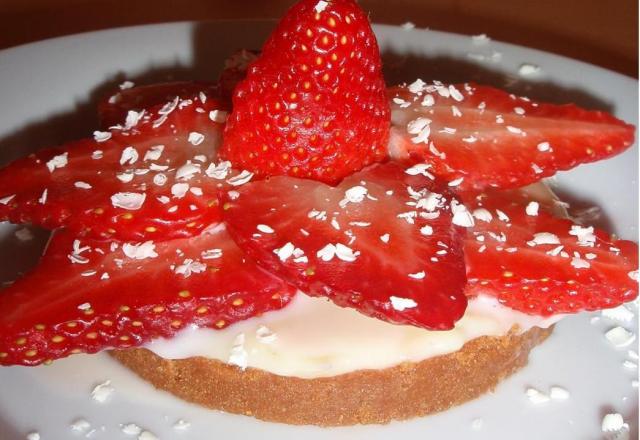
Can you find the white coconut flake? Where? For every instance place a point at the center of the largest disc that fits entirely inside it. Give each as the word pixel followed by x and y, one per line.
pixel 190 266
pixel 528 69
pixel 558 393
pixel 128 200
pixel 179 190
pixel 543 147
pixel 354 194
pixel 461 215
pixel 129 156
pixel 59 161
pixel 218 116
pixel 536 397
pixel 43 198
pixel 126 176
pixel 579 263
pixel 345 253
pixel 634 275
pixel 385 238
pixel 101 136
pixel 620 337
pixel 401 304
pixel 408 26
pixel 211 254
pixel 612 422
pixel 132 119
pixel 426 230
pixel 420 169
pixel 285 251
pixel 195 138
pixel 181 425
pixel 140 251
pixel 242 178
pixel 265 228
pixel 585 236
pixel 456 182
pixel 417 86
pixel 147 435
pixel 532 208
pixel 160 180
pixel 540 238
pixel 23 234
pixel 82 185
pixel 265 336
pixel 320 6
pixel 153 153
pixel 418 275
pixel 102 392
pixel 476 424
pixel 97 155
pixel 327 253
pixel 239 356
pixel 5 200
pixel 483 215
pixel 80 426
pixel 33 436
pixel 187 171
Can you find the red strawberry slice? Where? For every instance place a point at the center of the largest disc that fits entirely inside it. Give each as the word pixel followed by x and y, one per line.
pixel 313 104
pixel 89 295
pixel 113 109
pixel 482 137
pixel 542 265
pixel 381 242
pixel 149 179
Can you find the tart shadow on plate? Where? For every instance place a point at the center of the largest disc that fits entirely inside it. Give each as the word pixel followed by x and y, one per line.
pixel 58 128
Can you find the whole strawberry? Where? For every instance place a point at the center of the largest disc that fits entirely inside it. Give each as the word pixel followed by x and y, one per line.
pixel 313 104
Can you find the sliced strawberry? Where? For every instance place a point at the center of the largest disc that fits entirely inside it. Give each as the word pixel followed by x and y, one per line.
pixel 483 137
pixel 113 109
pixel 147 179
pixel 380 242
pixel 542 265
pixel 89 295
pixel 313 104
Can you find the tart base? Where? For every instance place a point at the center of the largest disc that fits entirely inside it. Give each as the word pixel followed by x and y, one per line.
pixel 408 390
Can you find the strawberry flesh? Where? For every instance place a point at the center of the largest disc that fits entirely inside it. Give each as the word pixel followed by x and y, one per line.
pixel 381 242
pixel 313 104
pixel 484 137
pixel 148 179
pixel 543 265
pixel 89 295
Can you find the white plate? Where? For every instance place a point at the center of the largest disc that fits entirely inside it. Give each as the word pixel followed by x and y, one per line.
pixel 48 92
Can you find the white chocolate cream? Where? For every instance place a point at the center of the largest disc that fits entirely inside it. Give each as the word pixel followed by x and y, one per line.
pixel 312 337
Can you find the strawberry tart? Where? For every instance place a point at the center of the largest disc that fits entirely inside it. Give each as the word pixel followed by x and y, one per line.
pixel 300 243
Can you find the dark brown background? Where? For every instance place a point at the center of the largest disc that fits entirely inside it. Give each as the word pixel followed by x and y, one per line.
pixel 597 31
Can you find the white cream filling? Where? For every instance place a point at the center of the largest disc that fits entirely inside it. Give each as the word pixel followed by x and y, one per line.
pixel 312 337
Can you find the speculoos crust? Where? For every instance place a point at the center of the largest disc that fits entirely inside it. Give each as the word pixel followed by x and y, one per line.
pixel 405 391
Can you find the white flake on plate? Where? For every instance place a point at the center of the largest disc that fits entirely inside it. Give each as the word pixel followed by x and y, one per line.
pixel 455 93
pixel 476 424
pixel 408 26
pixel 101 136
pixel 5 200
pixel 181 425
pixel 461 215
pixel 147 435
pixel 59 161
pixel 528 69
pixel 240 179
pixel 195 138
pixel 129 156
pixel 153 153
pixel 179 190
pixel 126 85
pixel 620 337
pixel 619 314
pixel 265 228
pixel 421 128
pixel 43 198
pixel 612 422
pixel 33 436
pixel 80 426
pixel 480 40
pixel 532 208
pixel 418 275
pixel 630 365
pixel 128 200
pixel 558 393
pixel 140 251
pixel 265 335
pixel 238 355
pixel 385 238
pixel 97 154
pixel 428 101
pixel 400 304
pixel 102 392
pixel 420 169
pixel 218 116
pixel 355 194
pixel 536 397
